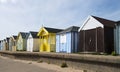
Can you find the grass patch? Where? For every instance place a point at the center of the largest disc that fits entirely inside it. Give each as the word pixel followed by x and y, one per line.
pixel 30 63
pixel 96 53
pixel 48 62
pixel 64 65
pixel 40 61
pixel 114 53
pixel 52 51
pixel 21 50
pixel 84 70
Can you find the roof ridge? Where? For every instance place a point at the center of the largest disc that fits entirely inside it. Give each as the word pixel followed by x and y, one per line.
pixel 52 28
pixel 105 22
pixel 102 18
pixel 33 34
pixel 32 31
pixel 70 29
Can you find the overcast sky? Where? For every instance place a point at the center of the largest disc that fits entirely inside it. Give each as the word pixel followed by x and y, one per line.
pixel 29 15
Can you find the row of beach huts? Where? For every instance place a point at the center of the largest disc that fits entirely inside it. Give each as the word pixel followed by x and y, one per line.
pixel 97 35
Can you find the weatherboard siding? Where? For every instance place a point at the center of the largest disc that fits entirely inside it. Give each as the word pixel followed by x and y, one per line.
pixel 52 42
pixel 32 44
pixel 97 38
pixel 10 43
pixel 68 42
pixel 24 44
pixel 21 44
pixel 4 45
pixel 74 42
pixel 70 46
pixel 47 41
pixel 36 44
pixel 57 43
pixel 117 38
pixel 0 46
pixel 14 45
pixel 64 46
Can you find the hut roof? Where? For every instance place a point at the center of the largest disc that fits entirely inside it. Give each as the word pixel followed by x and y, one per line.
pixel 70 29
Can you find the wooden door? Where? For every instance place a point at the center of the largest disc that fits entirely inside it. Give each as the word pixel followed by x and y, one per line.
pixel 90 40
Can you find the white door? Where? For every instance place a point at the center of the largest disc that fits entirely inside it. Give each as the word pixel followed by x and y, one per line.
pixel 31 45
pixel 28 44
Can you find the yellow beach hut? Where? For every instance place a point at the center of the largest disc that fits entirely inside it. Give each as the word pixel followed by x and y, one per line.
pixel 47 38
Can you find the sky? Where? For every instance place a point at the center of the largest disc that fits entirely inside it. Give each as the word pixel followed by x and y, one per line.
pixel 29 15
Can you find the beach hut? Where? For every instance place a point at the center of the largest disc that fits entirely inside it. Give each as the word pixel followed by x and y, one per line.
pixel 12 43
pixel 47 38
pixel 117 37
pixel 67 40
pixel 4 45
pixel 22 41
pixel 97 35
pixel 33 42
pixel 7 43
pixel 0 44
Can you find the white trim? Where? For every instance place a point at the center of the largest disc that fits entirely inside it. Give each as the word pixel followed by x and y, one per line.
pixel 86 21
pixel 88 18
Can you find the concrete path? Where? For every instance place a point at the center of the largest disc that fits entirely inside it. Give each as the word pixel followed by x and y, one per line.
pixel 15 65
pixel 9 65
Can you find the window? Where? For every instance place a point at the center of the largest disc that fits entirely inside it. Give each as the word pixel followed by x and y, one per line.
pixel 63 38
pixel 41 37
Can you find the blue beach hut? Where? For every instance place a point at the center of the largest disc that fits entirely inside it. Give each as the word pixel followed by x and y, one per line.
pixel 66 40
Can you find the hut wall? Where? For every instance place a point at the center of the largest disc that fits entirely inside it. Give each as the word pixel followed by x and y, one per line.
pixel 91 40
pixel 117 39
pixel 109 39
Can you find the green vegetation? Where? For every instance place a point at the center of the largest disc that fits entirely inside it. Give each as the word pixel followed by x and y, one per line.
pixel 84 70
pixel 48 62
pixel 52 51
pixel 30 63
pixel 96 53
pixel 113 53
pixel 39 61
pixel 64 65
pixel 20 50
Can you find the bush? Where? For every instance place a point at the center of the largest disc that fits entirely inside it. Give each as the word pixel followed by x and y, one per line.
pixel 96 53
pixel 39 61
pixel 113 53
pixel 51 51
pixel 48 62
pixel 64 64
pixel 30 63
pixel 84 70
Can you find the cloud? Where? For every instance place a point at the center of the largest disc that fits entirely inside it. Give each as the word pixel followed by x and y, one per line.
pixel 3 1
pixel 113 15
pixel 13 1
pixel 8 1
pixel 27 15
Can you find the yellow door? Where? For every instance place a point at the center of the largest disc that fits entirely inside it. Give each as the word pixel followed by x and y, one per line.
pixel 44 44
